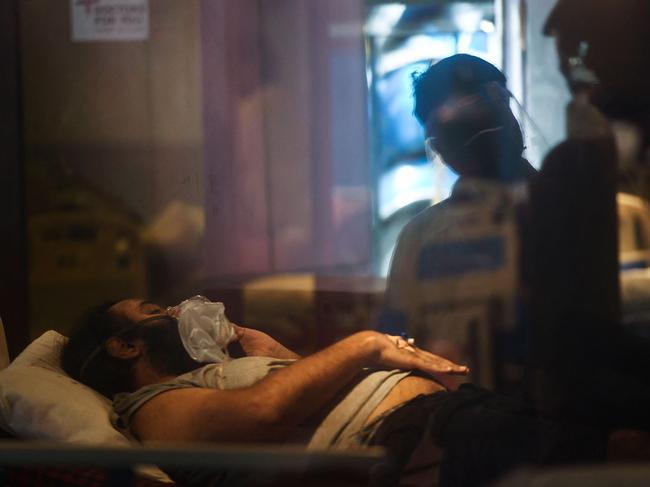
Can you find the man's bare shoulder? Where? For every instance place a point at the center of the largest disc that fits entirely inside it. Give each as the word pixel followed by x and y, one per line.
pixel 204 414
pixel 174 415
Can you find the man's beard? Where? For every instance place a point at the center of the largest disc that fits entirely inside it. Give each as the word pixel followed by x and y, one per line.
pixel 165 351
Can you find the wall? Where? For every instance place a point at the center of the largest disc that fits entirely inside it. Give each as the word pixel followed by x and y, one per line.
pixel 13 274
pixel 285 129
pixel 125 116
pixel 113 129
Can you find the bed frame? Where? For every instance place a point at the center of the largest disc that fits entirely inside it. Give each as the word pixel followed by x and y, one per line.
pixel 115 466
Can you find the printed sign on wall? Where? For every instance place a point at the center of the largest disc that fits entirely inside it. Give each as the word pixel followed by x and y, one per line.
pixel 109 20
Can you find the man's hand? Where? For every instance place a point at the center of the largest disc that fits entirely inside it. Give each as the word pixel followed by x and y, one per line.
pixel 258 344
pixel 396 352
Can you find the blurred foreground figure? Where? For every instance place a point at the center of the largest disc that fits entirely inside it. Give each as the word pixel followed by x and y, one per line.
pixel 572 246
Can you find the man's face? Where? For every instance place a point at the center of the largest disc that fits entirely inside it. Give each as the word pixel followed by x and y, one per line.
pixel 164 349
pixel 472 132
pixel 136 310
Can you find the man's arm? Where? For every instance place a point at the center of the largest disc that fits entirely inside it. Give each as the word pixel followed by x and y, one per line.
pixel 258 344
pixel 284 399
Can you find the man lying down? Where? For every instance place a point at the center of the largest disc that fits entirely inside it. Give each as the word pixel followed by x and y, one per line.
pixel 367 389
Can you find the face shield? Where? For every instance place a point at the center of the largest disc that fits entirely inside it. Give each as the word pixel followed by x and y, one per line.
pixel 482 134
pixel 471 134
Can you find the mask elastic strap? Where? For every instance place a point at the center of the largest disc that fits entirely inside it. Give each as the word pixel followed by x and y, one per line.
pixel 101 346
pixel 478 134
pixel 90 358
pixel 98 349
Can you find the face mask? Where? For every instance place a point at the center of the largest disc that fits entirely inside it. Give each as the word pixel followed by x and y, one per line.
pixel 476 134
pixel 204 329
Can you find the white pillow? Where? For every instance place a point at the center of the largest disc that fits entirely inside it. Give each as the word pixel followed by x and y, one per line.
pixel 39 401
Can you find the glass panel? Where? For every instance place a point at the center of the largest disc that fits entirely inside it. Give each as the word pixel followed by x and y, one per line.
pixel 361 176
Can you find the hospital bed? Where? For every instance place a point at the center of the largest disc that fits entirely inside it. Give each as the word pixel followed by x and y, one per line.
pixel 72 443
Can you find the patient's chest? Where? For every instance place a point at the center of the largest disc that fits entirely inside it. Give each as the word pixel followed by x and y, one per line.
pixel 236 373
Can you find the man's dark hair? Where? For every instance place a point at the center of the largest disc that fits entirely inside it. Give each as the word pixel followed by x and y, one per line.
pixel 459 75
pixel 86 359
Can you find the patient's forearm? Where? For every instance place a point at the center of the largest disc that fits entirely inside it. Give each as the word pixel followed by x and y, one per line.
pixel 290 396
pixel 257 343
pixel 293 394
